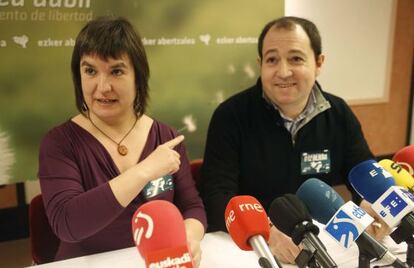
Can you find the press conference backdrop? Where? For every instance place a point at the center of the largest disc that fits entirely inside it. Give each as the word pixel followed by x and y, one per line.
pixel 200 52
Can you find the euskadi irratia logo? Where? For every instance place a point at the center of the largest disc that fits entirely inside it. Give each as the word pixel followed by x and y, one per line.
pixel 172 262
pixel 140 230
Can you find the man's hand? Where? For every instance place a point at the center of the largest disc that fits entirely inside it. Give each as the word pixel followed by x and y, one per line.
pixel 282 246
pixel 379 229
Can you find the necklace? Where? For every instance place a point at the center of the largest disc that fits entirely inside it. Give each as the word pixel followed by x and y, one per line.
pixel 122 149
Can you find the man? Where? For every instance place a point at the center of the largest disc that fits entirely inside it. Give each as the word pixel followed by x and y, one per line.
pixel 268 139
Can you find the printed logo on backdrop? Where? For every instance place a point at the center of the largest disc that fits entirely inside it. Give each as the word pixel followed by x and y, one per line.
pixel 46 10
pixel 158 186
pixel 48 29
pixel 315 162
pixel 42 11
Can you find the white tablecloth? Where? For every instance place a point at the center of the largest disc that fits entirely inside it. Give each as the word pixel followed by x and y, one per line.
pixel 218 251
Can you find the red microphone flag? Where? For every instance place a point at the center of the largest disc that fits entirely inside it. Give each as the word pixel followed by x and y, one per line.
pixel 159 234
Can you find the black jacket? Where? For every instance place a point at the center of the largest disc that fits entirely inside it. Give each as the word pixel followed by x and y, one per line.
pixel 250 152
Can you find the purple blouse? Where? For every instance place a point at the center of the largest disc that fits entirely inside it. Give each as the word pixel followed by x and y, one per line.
pixel 74 171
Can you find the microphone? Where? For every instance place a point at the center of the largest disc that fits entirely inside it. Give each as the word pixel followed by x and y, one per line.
pixel 248 226
pixel 370 180
pixel 375 184
pixel 159 234
pixel 405 158
pixel 393 204
pixel 401 176
pixel 291 217
pixel 344 222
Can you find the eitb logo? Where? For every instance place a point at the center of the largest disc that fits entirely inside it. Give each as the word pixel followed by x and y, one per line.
pixel 343 229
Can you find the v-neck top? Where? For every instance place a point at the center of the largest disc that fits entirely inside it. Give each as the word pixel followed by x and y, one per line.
pixel 74 173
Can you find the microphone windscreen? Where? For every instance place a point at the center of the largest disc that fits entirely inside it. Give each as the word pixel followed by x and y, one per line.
pixel 370 180
pixel 158 225
pixel 321 200
pixel 245 217
pixel 288 211
pixel 405 158
pixel 401 176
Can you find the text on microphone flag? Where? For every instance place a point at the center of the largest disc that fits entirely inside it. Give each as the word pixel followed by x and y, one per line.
pixel 347 224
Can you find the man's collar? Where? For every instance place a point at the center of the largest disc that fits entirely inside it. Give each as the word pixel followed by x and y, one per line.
pixel 315 100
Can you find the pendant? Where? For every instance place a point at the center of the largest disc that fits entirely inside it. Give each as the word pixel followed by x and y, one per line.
pixel 122 149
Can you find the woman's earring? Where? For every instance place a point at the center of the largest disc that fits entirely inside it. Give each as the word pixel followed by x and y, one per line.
pixel 136 106
pixel 84 107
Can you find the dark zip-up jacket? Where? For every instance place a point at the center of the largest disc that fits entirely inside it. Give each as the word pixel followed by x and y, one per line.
pixel 250 152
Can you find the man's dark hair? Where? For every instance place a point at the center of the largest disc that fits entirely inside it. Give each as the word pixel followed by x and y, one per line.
pixel 289 23
pixel 109 37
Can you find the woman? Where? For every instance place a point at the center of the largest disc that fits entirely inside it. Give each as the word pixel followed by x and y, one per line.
pixel 96 169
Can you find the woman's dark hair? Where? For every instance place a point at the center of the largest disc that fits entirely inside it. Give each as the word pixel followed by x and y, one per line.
pixel 109 37
pixel 289 23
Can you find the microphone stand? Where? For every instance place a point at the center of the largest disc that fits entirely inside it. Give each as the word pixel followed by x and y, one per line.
pixel 265 263
pixel 405 233
pixel 306 258
pixel 364 260
pixel 410 248
pixel 410 251
pixel 266 258
pixel 369 249
pixel 314 252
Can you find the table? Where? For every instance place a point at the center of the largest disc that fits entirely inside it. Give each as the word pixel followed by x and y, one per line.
pixel 218 251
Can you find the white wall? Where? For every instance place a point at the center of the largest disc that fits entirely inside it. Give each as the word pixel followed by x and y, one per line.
pixel 412 124
pixel 357 40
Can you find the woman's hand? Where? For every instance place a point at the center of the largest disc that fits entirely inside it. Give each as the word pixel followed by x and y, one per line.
pixel 379 229
pixel 195 232
pixel 282 246
pixel 162 161
pixel 195 249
